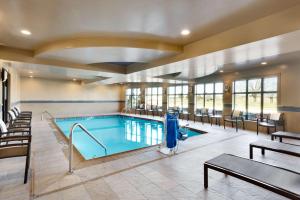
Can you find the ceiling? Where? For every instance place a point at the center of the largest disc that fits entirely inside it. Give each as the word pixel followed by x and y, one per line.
pixel 69 36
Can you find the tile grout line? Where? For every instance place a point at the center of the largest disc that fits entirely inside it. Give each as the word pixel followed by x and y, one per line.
pixel 133 167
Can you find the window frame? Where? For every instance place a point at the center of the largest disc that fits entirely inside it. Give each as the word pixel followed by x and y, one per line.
pixel 204 94
pixel 181 95
pixel 132 95
pixel 262 93
pixel 151 95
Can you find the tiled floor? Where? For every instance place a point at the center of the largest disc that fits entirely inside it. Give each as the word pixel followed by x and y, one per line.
pixel 137 175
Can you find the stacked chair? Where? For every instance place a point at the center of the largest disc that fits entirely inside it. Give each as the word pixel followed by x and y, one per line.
pixel 15 139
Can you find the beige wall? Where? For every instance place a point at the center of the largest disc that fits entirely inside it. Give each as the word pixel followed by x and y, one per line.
pixel 288 94
pixel 56 97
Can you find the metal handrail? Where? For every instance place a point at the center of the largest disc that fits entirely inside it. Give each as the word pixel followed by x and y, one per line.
pixel 71 143
pixel 46 112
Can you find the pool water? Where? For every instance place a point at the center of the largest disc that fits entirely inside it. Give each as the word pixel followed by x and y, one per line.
pixel 118 133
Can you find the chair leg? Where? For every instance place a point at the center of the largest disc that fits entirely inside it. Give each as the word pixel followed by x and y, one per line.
pixel 263 151
pixel 27 167
pixel 224 124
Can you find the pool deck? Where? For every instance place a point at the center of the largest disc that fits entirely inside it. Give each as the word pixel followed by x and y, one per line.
pixel 144 174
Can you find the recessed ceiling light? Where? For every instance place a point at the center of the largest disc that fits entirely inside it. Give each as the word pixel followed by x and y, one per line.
pixel 74 79
pixel 185 32
pixel 25 32
pixel 221 71
pixel 263 63
pixel 30 72
pixel 30 76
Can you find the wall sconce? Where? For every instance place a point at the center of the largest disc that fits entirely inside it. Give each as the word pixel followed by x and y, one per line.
pixel 226 88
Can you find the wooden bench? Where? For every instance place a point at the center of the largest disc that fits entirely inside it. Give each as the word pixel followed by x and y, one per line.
pixel 279 180
pixel 279 147
pixel 282 134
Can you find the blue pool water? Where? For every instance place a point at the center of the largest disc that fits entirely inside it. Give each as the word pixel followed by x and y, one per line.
pixel 118 133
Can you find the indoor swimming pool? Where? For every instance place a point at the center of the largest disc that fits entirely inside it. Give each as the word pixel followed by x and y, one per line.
pixel 118 133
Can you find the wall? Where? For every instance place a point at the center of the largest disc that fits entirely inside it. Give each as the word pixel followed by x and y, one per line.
pixel 60 97
pixel 288 94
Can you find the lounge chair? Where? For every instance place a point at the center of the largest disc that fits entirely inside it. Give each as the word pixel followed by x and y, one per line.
pixel 289 135
pixel 18 122
pixel 289 149
pixel 235 118
pixel 24 130
pixel 279 180
pixel 202 114
pixel 23 112
pixel 21 116
pixel 16 146
pixel 271 121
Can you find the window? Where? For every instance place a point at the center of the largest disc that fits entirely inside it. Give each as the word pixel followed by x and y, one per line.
pixel 178 96
pixel 133 97
pixel 255 96
pixel 154 96
pixel 209 95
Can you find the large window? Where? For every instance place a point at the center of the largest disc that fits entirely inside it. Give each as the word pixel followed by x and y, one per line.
pixel 133 97
pixel 154 96
pixel 209 95
pixel 255 96
pixel 178 96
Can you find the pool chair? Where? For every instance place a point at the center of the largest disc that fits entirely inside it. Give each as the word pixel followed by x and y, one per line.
pixel 22 112
pixel 149 109
pixel 21 116
pixel 282 181
pixel 25 130
pixel 159 111
pixel 202 114
pixel 16 146
pixel 184 114
pixel 217 116
pixel 140 108
pixel 234 119
pixel 271 121
pixel 18 122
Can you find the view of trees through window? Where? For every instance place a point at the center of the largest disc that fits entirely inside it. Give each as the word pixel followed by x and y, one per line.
pixel 133 97
pixel 153 96
pixel 255 96
pixel 209 95
pixel 178 96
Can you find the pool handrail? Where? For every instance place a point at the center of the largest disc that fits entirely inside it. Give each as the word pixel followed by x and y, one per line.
pixel 46 112
pixel 71 143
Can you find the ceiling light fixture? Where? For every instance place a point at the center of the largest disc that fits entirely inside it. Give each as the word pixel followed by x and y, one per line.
pixel 25 32
pixel 221 71
pixel 185 32
pixel 30 72
pixel 74 79
pixel 30 76
pixel 263 63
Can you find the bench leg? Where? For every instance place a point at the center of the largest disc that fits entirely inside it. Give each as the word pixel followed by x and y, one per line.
pixel 280 139
pixel 205 176
pixel 251 152
pixel 272 137
pixel 263 151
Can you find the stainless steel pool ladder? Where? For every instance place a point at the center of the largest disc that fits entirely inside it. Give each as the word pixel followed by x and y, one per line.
pixel 46 112
pixel 71 143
